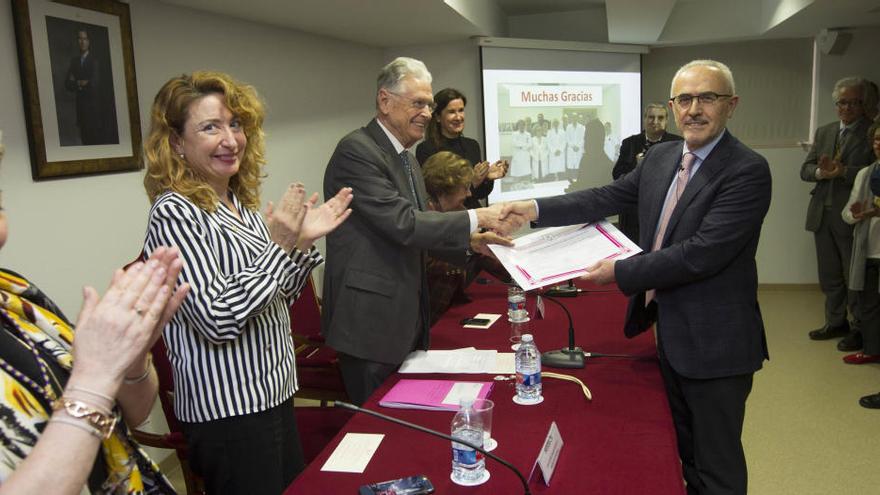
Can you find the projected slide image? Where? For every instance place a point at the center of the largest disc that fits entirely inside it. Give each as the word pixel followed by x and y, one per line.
pixel 560 131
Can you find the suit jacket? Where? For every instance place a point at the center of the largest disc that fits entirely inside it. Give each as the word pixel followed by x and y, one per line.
pixel 375 291
pixel 855 155
pixel 705 275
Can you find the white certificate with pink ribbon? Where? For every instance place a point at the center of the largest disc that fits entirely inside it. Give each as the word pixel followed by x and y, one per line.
pixel 557 254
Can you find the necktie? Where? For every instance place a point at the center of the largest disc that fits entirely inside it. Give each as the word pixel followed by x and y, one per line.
pixel 681 180
pixel 407 167
pixel 841 142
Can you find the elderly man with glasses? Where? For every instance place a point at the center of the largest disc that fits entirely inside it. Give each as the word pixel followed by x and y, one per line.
pixel 840 149
pixel 375 289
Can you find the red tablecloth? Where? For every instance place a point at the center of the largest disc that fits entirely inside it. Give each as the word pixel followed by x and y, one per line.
pixel 621 442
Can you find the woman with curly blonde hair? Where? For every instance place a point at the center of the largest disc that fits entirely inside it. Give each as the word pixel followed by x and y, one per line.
pixel 230 345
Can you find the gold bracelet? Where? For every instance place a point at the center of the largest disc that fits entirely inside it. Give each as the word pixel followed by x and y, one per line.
pixel 102 421
pixel 131 381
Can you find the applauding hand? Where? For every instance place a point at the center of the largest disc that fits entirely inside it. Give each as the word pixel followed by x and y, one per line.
pixel 115 331
pixel 481 171
pixel 320 221
pixel 285 221
pixel 498 170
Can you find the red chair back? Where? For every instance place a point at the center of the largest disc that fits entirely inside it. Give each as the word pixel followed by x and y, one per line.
pixel 305 314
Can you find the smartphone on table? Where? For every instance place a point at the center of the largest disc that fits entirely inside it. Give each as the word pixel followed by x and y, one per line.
pixel 412 485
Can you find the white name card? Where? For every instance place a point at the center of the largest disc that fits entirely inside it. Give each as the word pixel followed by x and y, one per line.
pixel 549 454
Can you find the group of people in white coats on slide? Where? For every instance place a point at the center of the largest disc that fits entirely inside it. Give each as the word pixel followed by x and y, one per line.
pixel 547 150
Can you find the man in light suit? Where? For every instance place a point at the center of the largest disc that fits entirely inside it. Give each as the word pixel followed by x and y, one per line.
pixel 840 149
pixel 375 305
pixel 700 219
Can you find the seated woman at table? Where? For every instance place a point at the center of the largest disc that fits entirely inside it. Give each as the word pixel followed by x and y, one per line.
pixel 447 179
pixel 69 396
pixel 230 345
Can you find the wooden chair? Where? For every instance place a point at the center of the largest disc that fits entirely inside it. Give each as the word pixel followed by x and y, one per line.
pixel 174 439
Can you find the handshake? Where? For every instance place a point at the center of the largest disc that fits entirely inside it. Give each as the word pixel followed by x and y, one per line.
pixel 501 220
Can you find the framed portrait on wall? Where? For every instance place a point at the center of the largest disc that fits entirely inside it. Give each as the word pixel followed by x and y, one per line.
pixel 78 83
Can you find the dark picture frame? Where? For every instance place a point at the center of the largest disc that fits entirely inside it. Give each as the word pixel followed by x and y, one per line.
pixel 78 82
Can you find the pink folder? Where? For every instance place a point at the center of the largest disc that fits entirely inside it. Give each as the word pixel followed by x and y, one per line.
pixel 429 394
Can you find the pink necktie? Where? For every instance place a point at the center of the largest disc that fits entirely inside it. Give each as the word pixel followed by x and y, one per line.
pixel 681 180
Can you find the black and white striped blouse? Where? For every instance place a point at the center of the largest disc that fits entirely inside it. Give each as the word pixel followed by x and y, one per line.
pixel 229 344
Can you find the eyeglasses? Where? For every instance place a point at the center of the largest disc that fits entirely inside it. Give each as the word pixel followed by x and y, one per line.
pixel 417 104
pixel 685 101
pixel 848 103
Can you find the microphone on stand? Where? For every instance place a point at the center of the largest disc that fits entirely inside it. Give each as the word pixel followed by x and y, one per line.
pixel 568 357
pixel 352 407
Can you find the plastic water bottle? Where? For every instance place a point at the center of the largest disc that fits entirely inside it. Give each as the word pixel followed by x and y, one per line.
pixel 468 465
pixel 528 371
pixel 516 303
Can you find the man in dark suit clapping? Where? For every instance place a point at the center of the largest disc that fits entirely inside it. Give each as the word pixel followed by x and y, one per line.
pixel 840 149
pixel 700 206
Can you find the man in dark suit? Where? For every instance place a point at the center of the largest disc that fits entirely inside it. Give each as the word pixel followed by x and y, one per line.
pixel 700 206
pixel 82 80
pixel 632 151
pixel 840 149
pixel 375 306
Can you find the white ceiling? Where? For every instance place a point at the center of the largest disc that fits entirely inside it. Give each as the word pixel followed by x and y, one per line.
pixel 384 23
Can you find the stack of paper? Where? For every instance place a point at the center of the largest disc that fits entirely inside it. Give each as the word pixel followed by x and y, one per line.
pixel 433 395
pixel 468 360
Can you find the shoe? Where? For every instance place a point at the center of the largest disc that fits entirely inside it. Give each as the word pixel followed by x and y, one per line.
pixel 870 401
pixel 852 342
pixel 829 332
pixel 861 358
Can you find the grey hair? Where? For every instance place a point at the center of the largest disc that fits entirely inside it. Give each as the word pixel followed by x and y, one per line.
pixel 725 71
pixel 849 82
pixel 398 69
pixel 658 106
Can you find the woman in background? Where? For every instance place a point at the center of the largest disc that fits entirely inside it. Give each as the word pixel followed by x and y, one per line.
pixel 69 397
pixel 445 133
pixel 864 272
pixel 230 345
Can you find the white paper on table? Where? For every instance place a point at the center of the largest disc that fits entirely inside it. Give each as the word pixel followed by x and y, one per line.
pixel 460 390
pixel 557 254
pixel 353 453
pixel 455 361
pixel 505 363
